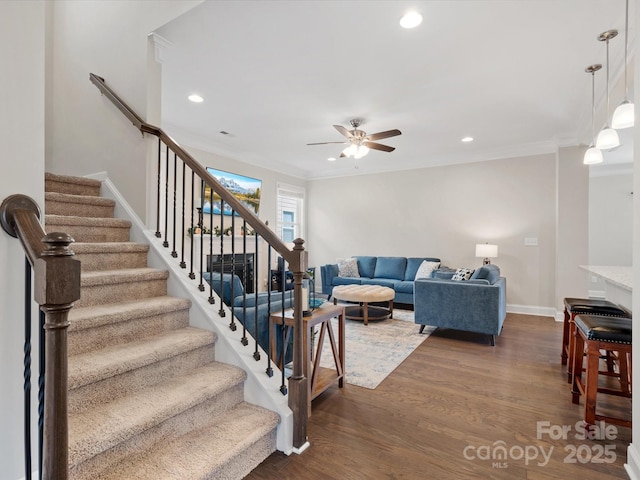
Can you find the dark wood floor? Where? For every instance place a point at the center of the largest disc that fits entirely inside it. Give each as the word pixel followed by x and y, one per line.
pixel 455 392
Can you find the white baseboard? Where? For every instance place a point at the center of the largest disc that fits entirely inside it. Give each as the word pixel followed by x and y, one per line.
pixel 532 310
pixel 632 466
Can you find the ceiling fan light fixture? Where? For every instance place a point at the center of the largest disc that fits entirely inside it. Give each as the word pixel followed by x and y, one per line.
pixel 411 20
pixel 623 116
pixel 592 156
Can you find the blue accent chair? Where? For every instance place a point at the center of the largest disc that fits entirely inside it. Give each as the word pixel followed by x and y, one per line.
pixel 474 305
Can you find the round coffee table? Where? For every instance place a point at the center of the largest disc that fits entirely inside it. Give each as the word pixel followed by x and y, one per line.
pixel 365 294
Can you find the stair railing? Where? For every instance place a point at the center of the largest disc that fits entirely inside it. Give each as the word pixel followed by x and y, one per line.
pixel 56 285
pixel 181 191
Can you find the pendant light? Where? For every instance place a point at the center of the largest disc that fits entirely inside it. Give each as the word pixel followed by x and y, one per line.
pixel 593 155
pixel 624 115
pixel 608 137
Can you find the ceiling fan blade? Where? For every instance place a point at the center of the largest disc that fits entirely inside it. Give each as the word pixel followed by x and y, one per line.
pixel 343 131
pixel 379 146
pixel 381 135
pixel 324 143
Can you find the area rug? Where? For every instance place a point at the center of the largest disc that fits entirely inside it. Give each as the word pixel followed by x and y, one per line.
pixel 375 350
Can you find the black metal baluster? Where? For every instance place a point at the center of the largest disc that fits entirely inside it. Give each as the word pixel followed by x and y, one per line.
pixel 256 352
pixel 174 254
pixel 183 264
pixel 27 369
pixel 284 332
pixel 221 310
pixel 232 324
pixel 244 340
pixel 269 370
pixel 166 200
pixel 201 286
pixel 158 234
pixel 212 299
pixel 192 274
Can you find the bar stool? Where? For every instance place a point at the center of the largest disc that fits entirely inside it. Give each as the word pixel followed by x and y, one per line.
pixel 594 333
pixel 584 306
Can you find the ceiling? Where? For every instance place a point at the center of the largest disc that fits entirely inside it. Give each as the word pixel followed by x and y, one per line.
pixel 276 75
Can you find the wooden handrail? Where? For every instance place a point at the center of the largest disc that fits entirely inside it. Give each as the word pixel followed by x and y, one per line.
pixel 297 258
pixel 255 223
pixel 56 287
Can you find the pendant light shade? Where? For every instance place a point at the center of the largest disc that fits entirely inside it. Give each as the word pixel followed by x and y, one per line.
pixel 593 155
pixel 624 115
pixel 608 137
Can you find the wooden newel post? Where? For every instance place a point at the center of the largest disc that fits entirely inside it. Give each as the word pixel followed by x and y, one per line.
pixel 56 287
pixel 298 383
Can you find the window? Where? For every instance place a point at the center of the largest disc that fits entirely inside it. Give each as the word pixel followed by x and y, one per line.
pixel 290 224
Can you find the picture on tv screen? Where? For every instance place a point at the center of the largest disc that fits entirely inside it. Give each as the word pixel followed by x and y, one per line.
pixel 245 189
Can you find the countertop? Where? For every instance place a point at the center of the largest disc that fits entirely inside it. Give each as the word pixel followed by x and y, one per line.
pixel 620 276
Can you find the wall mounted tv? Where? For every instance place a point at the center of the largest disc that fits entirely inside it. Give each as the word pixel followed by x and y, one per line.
pixel 245 189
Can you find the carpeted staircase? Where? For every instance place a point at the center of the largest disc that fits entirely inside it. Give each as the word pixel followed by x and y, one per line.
pixel 147 400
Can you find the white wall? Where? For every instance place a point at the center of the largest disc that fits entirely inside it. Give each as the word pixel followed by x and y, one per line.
pixel 443 212
pixel 89 135
pixel 22 49
pixel 610 219
pixel 572 219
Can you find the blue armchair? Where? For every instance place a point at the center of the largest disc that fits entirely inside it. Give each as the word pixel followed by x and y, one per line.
pixel 474 305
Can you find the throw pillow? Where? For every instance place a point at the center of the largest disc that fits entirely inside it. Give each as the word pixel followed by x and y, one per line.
pixel 462 274
pixel 348 268
pixel 425 269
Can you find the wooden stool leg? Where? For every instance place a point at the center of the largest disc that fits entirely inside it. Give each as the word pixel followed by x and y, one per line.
pixel 565 337
pixel 591 383
pixel 571 348
pixel 577 357
pixel 623 370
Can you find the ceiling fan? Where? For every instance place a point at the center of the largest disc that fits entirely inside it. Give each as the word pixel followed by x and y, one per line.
pixel 359 142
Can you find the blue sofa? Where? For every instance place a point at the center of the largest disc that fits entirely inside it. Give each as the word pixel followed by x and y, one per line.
pixel 474 305
pixel 253 308
pixel 397 273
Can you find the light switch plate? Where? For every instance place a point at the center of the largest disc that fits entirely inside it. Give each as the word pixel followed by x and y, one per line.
pixel 531 241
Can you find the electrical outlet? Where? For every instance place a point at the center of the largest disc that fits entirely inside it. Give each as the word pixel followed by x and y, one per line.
pixel 531 241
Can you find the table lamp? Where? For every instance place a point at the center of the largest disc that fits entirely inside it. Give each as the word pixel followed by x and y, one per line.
pixel 487 251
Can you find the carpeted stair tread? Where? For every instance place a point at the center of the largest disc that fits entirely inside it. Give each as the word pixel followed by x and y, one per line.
pixel 71 184
pixel 88 222
pixel 81 199
pixel 83 318
pixel 109 247
pixel 109 424
pixel 92 367
pixel 221 451
pixel 111 277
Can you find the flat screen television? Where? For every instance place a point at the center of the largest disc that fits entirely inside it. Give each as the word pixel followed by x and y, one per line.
pixel 245 189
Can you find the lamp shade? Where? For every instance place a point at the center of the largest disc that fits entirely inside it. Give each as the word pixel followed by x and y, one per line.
pixel 592 156
pixel 607 139
pixel 623 116
pixel 486 250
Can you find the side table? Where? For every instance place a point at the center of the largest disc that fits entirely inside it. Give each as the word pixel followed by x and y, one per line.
pixel 318 378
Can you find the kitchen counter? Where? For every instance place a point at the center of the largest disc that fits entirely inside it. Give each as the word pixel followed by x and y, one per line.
pixel 618 280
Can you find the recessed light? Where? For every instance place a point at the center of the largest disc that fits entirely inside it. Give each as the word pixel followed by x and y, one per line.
pixel 331 159
pixel 195 98
pixel 467 139
pixel 411 20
